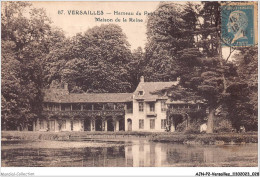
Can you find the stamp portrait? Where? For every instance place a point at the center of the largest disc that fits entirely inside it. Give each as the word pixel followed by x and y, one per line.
pixel 238 24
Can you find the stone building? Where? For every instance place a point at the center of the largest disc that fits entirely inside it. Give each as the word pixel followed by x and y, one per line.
pixel 143 110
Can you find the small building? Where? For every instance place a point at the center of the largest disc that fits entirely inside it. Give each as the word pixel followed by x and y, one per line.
pixel 143 110
pixel 149 108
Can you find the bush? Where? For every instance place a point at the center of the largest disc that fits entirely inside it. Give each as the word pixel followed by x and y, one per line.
pixel 223 126
pixel 192 129
pixel 181 127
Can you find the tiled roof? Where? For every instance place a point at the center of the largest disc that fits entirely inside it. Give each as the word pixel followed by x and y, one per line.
pixel 59 97
pixel 149 94
pixel 150 88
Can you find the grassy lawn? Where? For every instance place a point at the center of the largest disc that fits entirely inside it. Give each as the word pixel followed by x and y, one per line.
pixel 220 138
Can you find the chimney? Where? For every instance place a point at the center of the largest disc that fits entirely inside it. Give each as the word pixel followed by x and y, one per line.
pixel 65 86
pixel 142 79
pixel 178 79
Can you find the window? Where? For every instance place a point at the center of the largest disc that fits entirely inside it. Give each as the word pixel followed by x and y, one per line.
pixel 141 93
pixel 63 124
pixel 163 124
pixel 65 107
pixel 76 107
pixel 56 107
pixel 41 124
pixel 98 106
pixel 87 106
pixel 141 123
pixel 45 107
pixel 163 106
pixel 152 123
pixel 50 107
pixel 152 107
pixel 52 125
pixel 141 106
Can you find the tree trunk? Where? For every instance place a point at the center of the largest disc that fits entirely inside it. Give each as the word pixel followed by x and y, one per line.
pixel 210 123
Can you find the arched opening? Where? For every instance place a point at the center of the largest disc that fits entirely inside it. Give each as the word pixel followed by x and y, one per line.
pixel 110 125
pixel 176 120
pixel 98 125
pixel 129 125
pixel 122 124
pixel 87 125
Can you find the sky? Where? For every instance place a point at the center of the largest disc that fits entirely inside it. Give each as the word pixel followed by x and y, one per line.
pixel 72 24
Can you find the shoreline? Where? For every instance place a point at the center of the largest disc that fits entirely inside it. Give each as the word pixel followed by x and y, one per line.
pixel 166 137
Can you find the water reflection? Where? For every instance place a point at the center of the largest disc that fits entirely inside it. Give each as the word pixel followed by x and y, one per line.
pixel 159 154
pixel 136 154
pixel 143 155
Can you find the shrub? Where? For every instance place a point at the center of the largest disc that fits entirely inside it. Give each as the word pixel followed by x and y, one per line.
pixel 181 127
pixel 223 126
pixel 192 129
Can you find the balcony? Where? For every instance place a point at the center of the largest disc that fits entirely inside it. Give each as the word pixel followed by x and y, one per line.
pixel 84 113
pixel 183 110
pixel 151 114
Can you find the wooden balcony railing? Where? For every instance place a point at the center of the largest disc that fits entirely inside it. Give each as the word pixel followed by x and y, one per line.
pixel 151 114
pixel 84 113
pixel 183 110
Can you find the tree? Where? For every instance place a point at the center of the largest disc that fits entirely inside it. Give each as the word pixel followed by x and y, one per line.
pixel 98 60
pixel 188 40
pixel 136 67
pixel 24 44
pixel 164 41
pixel 58 55
pixel 242 103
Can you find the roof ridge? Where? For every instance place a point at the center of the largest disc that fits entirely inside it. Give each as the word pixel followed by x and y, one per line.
pixel 161 81
pixel 100 93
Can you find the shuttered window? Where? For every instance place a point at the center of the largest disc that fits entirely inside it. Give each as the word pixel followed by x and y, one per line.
pixel 163 123
pixel 163 106
pixel 152 123
pixel 141 123
pixel 141 106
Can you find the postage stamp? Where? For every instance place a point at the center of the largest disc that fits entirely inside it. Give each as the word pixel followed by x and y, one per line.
pixel 238 24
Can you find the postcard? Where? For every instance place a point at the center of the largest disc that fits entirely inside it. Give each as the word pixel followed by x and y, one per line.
pixel 93 84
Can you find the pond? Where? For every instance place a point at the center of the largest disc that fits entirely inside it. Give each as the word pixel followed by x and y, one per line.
pixel 134 153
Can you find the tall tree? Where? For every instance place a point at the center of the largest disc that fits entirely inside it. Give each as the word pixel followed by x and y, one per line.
pixel 192 33
pixel 59 54
pixel 164 41
pixel 24 44
pixel 136 67
pixel 242 103
pixel 98 60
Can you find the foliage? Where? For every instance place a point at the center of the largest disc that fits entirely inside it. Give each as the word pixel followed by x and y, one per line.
pixel 181 127
pixel 223 126
pixel 193 51
pixel 193 128
pixel 136 67
pixel 242 103
pixel 165 39
pixel 97 60
pixel 24 44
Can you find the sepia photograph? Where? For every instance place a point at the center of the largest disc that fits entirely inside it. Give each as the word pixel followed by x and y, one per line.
pixel 129 84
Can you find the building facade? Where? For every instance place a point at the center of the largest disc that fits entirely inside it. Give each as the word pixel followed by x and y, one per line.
pixel 143 110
